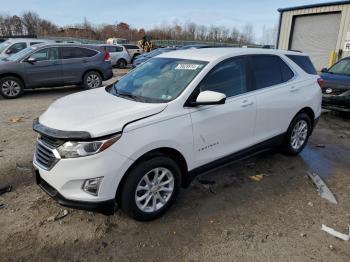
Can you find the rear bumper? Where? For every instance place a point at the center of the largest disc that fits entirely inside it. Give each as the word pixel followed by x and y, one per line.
pixel 108 74
pixel 338 103
pixel 104 207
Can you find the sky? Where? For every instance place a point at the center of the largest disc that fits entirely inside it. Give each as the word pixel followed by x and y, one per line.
pixel 147 14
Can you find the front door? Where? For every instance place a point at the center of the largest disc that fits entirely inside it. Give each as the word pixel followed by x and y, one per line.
pixel 46 70
pixel 220 130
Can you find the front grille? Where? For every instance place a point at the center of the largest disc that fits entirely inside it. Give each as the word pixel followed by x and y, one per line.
pixel 51 141
pixel 44 155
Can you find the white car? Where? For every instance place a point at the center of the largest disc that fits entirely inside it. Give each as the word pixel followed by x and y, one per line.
pixel 14 45
pixel 134 51
pixel 175 116
pixel 119 55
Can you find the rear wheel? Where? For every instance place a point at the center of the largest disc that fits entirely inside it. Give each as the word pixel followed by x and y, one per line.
pixel 92 80
pixel 11 87
pixel 297 135
pixel 151 188
pixel 121 63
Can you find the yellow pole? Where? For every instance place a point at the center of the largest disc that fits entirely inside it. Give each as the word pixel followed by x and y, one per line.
pixel 331 58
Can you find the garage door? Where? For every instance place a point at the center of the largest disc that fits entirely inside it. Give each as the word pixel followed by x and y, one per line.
pixel 316 35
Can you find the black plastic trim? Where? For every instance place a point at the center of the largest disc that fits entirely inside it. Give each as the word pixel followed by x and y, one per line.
pixel 240 155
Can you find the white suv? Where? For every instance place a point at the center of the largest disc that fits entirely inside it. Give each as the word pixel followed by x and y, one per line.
pixel 175 116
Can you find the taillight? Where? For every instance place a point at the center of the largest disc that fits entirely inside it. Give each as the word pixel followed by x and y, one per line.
pixel 107 56
pixel 320 82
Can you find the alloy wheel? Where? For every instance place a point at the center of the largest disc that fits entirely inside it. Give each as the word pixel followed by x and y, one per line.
pixel 154 189
pixel 299 134
pixel 11 88
pixel 93 81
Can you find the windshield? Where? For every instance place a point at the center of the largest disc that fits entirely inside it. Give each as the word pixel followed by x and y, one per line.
pixel 21 54
pixel 4 45
pixel 341 68
pixel 159 80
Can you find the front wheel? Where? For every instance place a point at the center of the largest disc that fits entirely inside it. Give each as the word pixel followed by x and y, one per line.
pixel 297 135
pixel 151 188
pixel 92 80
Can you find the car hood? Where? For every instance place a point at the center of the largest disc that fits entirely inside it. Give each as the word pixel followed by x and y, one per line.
pixel 97 112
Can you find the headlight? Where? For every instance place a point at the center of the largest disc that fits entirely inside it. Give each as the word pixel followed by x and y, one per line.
pixel 72 149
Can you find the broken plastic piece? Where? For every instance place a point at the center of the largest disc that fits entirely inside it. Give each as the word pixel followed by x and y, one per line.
pixel 5 189
pixel 322 188
pixel 337 234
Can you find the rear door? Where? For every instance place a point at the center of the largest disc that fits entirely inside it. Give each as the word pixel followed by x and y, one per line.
pixel 277 95
pixel 220 130
pixel 47 70
pixel 75 62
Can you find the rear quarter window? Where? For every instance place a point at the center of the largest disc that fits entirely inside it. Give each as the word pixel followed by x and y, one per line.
pixel 304 63
pixel 269 70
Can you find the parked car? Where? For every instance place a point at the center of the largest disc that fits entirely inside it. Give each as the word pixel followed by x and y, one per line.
pixel 175 116
pixel 134 51
pixel 54 65
pixel 336 90
pixel 14 45
pixel 143 58
pixel 119 55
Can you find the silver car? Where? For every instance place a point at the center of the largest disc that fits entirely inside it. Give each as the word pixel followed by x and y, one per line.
pixel 119 55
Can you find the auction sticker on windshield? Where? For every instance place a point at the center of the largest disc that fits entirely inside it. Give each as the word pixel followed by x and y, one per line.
pixel 188 66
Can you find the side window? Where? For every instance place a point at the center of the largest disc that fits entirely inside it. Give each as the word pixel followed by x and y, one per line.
pixel 46 54
pixel 16 48
pixel 228 77
pixel 34 43
pixel 269 70
pixel 304 62
pixel 76 52
pixel 111 49
pixel 119 49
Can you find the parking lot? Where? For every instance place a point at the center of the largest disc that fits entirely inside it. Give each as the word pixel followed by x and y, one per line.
pixel 222 215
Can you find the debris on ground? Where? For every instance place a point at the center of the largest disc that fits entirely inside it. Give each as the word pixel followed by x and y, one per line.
pixel 322 188
pixel 58 216
pixel 23 168
pixel 207 184
pixel 257 178
pixel 5 189
pixel 321 145
pixel 302 234
pixel 2 206
pixel 336 234
pixel 16 119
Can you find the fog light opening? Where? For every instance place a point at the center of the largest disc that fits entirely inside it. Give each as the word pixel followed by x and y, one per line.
pixel 92 185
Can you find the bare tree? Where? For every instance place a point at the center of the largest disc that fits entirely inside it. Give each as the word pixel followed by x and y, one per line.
pixel 30 22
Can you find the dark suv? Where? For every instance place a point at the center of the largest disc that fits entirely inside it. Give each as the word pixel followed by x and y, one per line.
pixel 54 65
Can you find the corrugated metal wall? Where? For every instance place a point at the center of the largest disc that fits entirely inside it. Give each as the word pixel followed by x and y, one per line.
pixel 287 18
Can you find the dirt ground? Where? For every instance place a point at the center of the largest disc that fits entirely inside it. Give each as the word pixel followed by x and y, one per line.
pixel 222 216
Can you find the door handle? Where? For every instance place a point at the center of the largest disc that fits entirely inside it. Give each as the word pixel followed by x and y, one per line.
pixel 293 89
pixel 246 103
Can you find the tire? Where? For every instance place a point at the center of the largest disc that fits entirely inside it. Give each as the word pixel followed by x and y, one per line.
pixel 121 63
pixel 136 179
pixel 297 135
pixel 11 87
pixel 92 79
pixel 133 58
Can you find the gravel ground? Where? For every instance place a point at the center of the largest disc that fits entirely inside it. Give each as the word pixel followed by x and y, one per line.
pixel 233 219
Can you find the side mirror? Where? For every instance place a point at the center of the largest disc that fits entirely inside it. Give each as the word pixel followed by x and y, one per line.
pixel 8 51
pixel 209 98
pixel 324 70
pixel 31 60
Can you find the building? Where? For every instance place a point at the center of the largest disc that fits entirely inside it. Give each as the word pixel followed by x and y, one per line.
pixel 320 30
